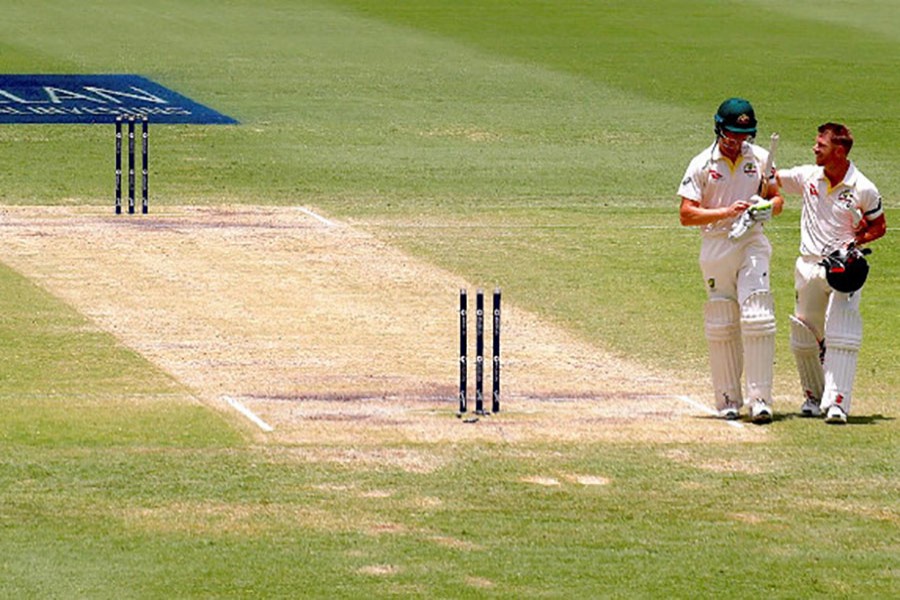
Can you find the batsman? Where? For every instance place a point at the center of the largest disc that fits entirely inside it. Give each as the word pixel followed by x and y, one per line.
pixel 728 191
pixel 841 212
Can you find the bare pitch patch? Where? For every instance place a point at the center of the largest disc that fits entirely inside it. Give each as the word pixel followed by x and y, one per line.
pixel 379 570
pixel 324 331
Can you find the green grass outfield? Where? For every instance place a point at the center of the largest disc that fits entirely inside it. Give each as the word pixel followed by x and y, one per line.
pixel 558 131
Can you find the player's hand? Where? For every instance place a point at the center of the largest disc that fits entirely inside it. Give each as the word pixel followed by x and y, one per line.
pixel 738 208
pixel 751 211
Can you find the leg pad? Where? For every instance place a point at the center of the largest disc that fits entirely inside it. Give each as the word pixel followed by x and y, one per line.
pixel 807 349
pixel 723 332
pixel 758 330
pixel 843 333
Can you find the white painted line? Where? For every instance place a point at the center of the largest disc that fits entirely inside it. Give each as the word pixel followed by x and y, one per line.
pixel 248 413
pixel 317 217
pixel 707 410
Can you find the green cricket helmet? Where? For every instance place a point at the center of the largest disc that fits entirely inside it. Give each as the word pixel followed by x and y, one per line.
pixel 736 115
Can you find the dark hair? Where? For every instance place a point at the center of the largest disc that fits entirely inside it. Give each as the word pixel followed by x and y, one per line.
pixel 840 135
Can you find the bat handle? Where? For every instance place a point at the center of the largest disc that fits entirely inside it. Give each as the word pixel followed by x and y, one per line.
pixel 770 164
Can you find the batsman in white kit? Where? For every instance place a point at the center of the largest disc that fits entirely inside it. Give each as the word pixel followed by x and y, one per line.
pixel 842 211
pixel 729 191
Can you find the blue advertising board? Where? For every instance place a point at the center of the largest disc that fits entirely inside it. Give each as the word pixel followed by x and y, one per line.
pixel 93 99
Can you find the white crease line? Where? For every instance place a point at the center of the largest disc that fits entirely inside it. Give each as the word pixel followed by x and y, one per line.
pixel 248 413
pixel 707 410
pixel 317 217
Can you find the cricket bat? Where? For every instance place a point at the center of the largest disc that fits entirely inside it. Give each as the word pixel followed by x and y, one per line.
pixel 770 163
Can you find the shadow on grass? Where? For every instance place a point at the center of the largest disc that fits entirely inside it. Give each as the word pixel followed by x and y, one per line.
pixel 851 420
pixel 778 418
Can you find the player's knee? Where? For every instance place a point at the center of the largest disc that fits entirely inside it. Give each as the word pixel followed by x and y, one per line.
pixel 803 338
pixel 758 314
pixel 843 327
pixel 722 319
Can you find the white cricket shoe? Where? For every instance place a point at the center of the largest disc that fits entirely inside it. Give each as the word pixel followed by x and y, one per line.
pixel 730 413
pixel 760 412
pixel 810 408
pixel 836 415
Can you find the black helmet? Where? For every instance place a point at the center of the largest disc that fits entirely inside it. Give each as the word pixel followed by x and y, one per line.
pixel 736 115
pixel 847 269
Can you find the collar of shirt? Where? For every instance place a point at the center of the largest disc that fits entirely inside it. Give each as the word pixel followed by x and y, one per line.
pixel 849 179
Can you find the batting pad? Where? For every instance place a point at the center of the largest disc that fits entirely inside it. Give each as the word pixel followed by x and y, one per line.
pixel 805 346
pixel 843 334
pixel 758 329
pixel 723 332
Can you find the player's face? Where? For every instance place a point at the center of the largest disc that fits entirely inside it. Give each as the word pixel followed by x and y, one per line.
pixel 730 143
pixel 824 148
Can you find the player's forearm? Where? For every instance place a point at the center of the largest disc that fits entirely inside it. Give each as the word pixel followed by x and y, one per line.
pixel 777 203
pixel 694 216
pixel 871 231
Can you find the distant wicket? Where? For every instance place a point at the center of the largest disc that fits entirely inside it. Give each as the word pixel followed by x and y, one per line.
pixel 463 344
pixel 479 352
pixel 145 162
pixel 495 368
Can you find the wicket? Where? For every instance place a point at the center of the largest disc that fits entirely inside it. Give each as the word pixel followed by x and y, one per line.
pixel 479 352
pixel 145 163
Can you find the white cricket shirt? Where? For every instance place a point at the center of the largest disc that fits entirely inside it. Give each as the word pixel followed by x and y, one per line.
pixel 715 182
pixel 829 214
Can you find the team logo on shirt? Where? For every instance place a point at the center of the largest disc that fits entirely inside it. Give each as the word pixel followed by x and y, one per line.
pixel 750 169
pixel 813 190
pixel 847 199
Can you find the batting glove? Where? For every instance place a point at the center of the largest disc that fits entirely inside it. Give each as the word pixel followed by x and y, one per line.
pixel 761 211
pixel 740 226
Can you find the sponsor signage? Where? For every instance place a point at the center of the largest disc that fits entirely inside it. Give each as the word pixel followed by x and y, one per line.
pixel 93 99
